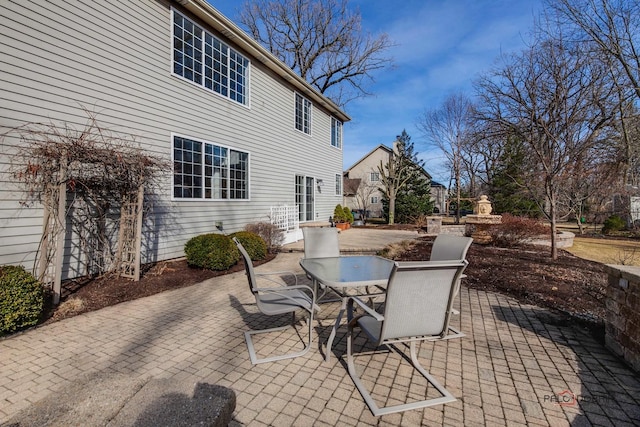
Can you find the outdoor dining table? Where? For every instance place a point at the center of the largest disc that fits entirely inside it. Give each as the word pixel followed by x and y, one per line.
pixel 347 276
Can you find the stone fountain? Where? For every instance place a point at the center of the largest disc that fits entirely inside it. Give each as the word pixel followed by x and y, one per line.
pixel 482 220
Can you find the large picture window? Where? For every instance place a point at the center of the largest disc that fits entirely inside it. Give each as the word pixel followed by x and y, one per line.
pixel 202 170
pixel 336 132
pixel 303 114
pixel 205 60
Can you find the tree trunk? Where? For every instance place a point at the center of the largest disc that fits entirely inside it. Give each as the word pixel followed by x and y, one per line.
pixel 554 226
pixel 392 209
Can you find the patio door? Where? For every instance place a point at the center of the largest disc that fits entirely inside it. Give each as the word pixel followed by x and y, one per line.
pixel 305 197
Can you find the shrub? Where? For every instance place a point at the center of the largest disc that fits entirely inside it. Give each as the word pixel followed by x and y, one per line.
pixel 271 234
pixel 348 216
pixel 21 299
pixel 254 244
pixel 613 223
pixel 338 214
pixel 516 230
pixel 212 251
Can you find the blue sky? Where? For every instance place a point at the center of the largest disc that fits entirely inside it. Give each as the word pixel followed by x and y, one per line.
pixel 440 48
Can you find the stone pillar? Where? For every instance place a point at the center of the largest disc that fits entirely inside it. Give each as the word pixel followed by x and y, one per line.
pixel 434 224
pixel 622 324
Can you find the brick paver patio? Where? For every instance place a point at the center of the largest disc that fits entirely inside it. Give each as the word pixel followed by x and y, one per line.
pixel 518 364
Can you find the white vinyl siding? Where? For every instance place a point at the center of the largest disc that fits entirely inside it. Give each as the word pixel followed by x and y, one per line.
pixel 91 55
pixel 303 114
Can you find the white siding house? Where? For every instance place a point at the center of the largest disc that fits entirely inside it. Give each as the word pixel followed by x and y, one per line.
pixel 186 83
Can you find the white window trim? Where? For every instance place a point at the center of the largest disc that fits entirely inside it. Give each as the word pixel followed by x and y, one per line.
pixel 204 199
pixel 371 177
pixel 247 104
pixel 339 189
pixel 339 137
pixel 295 118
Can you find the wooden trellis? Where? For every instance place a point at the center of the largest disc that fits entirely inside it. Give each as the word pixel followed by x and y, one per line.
pixel 52 243
pixel 130 235
pixel 102 170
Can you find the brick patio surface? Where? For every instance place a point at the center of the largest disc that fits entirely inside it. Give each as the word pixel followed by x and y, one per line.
pixel 518 364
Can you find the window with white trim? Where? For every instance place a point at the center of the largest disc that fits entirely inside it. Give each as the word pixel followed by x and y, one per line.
pixel 202 170
pixel 305 197
pixel 336 132
pixel 200 57
pixel 338 184
pixel 303 114
pixel 374 199
pixel 375 176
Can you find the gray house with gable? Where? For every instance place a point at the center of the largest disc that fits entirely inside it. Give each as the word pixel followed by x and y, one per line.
pixel 188 84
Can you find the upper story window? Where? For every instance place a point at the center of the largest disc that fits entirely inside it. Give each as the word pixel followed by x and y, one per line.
pixel 303 114
pixel 336 132
pixel 375 176
pixel 202 170
pixel 203 59
pixel 338 184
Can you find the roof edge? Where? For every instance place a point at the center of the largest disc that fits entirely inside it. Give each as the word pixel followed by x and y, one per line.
pixel 224 25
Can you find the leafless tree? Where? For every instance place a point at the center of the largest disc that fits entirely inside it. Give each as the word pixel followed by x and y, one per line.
pixel 612 28
pixel 362 194
pixel 554 97
pixel 396 173
pixel 322 41
pixel 449 128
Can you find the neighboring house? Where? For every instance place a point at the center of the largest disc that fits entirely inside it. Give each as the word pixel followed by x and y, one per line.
pixel 366 171
pixel 188 84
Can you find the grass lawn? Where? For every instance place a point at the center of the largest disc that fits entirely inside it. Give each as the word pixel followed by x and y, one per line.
pixel 607 251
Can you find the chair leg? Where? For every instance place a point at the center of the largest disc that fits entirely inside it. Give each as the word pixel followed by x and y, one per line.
pixel 375 409
pixel 252 353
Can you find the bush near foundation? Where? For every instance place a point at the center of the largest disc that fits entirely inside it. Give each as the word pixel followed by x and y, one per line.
pixel 212 251
pixel 271 234
pixel 21 299
pixel 255 246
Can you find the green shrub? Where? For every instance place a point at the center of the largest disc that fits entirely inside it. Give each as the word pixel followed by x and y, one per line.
pixel 256 247
pixel 271 234
pixel 347 214
pixel 338 214
pixel 212 251
pixel 21 299
pixel 613 223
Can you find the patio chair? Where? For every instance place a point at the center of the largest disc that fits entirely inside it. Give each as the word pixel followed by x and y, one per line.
pixel 276 300
pixel 447 247
pixel 417 308
pixel 321 242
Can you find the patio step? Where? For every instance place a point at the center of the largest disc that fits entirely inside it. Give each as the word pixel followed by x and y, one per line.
pixel 114 400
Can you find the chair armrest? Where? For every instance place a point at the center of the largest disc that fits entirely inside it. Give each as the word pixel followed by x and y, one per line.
pixel 371 312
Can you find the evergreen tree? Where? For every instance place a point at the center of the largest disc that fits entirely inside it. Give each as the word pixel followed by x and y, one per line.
pixel 508 189
pixel 413 198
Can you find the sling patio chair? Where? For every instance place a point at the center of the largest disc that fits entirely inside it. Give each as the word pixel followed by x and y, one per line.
pixel 447 247
pixel 276 300
pixel 321 242
pixel 417 308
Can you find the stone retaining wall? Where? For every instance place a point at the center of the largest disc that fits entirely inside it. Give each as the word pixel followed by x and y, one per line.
pixel 623 313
